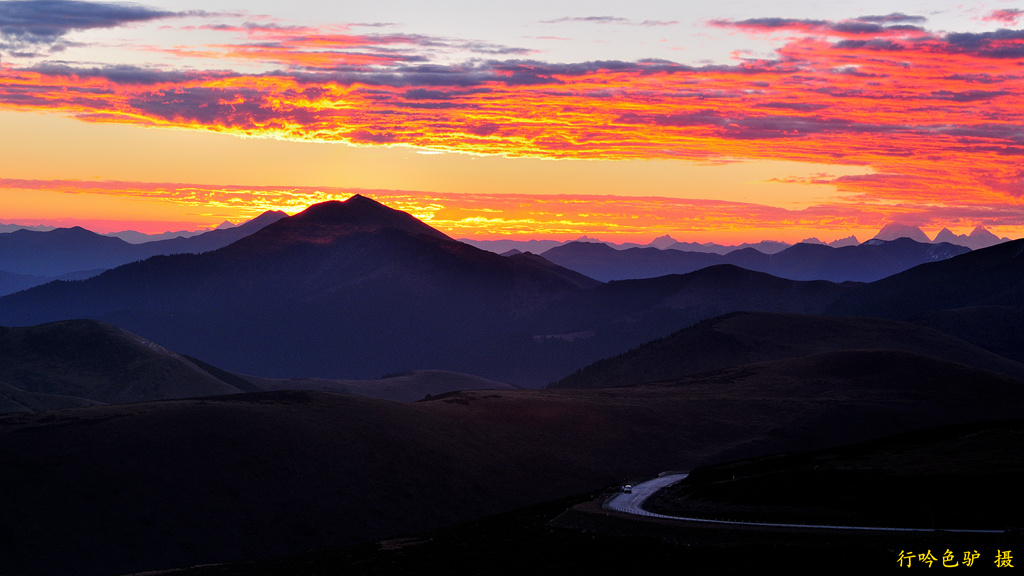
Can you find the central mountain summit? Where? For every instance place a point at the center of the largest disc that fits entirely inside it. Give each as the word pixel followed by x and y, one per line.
pixel 348 289
pixel 329 221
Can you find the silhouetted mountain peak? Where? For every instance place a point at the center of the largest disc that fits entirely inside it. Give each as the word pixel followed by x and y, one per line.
pixel 977 239
pixel 663 242
pixel 895 230
pixel 981 233
pixel 263 220
pixel 946 235
pixel 328 221
pixel 581 247
pixel 73 232
pixel 843 242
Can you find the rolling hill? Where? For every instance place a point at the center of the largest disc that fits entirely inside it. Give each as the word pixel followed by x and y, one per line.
pixel 404 387
pixel 97 363
pixel 75 363
pixel 988 277
pixel 251 475
pixel 14 399
pixel 996 328
pixel 747 337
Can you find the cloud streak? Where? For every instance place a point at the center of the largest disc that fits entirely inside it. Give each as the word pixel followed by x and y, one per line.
pixel 616 20
pixel 36 24
pixel 323 50
pixel 898 25
pixel 1007 16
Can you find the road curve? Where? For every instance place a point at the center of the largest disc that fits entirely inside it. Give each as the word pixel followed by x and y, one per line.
pixel 633 504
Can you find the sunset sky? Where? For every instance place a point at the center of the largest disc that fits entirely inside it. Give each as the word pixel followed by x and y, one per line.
pixel 723 121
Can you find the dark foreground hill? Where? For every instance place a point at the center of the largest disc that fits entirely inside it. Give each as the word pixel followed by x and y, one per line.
pixel 996 328
pixel 114 489
pixel 987 277
pixel 747 337
pixel 404 387
pixel 14 399
pixel 96 362
pixel 76 363
pixel 961 477
pixel 973 464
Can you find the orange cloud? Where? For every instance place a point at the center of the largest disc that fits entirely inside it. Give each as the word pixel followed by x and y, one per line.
pixel 938 117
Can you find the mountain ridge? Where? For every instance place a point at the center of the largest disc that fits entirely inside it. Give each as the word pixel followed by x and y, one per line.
pixel 866 262
pixel 991 276
pixel 740 338
pixel 55 253
pixel 386 279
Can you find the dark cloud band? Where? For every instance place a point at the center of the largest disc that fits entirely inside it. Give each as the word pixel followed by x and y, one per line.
pixel 26 23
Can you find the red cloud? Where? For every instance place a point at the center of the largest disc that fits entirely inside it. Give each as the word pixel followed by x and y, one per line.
pixel 1008 16
pixel 941 112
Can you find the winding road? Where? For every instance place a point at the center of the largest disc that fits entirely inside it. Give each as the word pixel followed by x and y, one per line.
pixel 633 504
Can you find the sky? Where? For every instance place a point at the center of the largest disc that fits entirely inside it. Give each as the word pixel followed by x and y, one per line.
pixel 732 121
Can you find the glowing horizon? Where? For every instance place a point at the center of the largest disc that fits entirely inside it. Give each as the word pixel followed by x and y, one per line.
pixel 620 219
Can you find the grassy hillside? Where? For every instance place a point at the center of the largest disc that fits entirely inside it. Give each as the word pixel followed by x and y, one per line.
pixel 114 489
pixel 963 477
pixel 98 362
pixel 746 337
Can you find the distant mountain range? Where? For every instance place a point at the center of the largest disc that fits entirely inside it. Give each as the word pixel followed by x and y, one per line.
pixel 55 253
pixel 867 262
pixel 30 256
pixel 978 238
pixel 133 237
pixel 4 228
pixel 357 290
pixel 130 236
pixel 661 243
